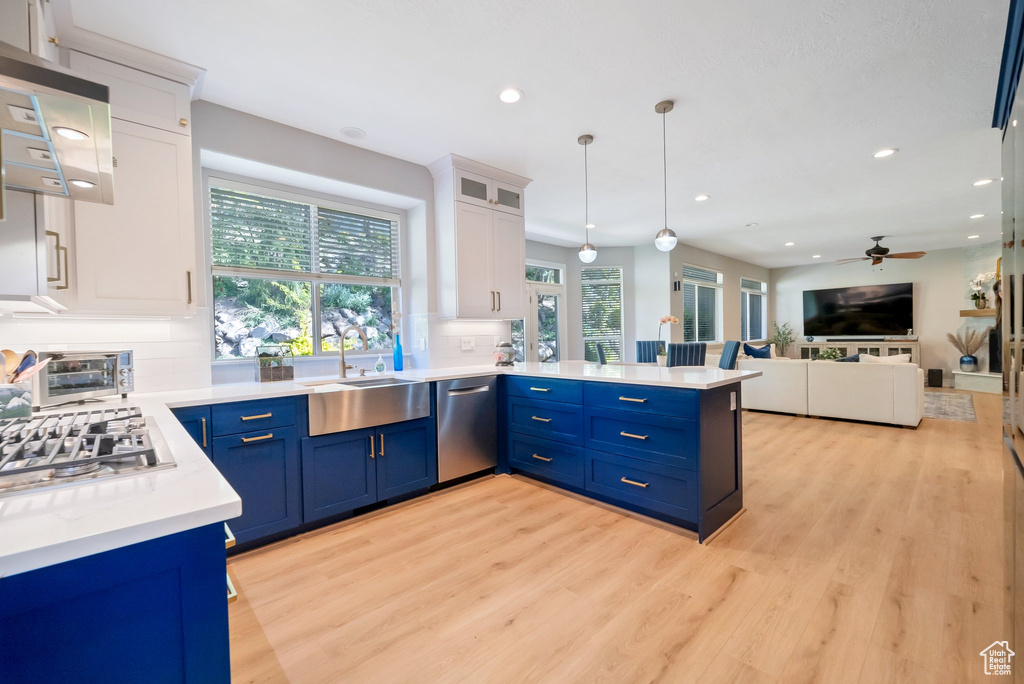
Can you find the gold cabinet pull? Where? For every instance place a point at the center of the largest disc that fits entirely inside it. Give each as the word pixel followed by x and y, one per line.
pixel 634 482
pixel 637 401
pixel 632 436
pixel 382 445
pixel 492 300
pixel 259 417
pixel 229 537
pixel 373 451
pixel 203 421
pixel 543 458
pixel 183 122
pixel 188 287
pixel 56 252
pixel 539 389
pixel 54 39
pixel 541 420
pixel 269 435
pixel 232 593
pixel 499 300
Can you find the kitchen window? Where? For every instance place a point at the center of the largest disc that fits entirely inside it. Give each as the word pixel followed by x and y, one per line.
pixel 602 312
pixel 753 309
pixel 296 272
pixel 702 305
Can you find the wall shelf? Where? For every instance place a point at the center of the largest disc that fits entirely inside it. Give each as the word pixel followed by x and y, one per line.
pixel 977 313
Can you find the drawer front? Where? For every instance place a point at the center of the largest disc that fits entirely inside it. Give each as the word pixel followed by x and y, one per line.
pixel 567 391
pixel 657 487
pixel 661 439
pixel 665 401
pixel 244 416
pixel 549 419
pixel 558 462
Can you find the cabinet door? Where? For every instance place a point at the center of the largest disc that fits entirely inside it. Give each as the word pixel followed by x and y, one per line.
pixel 263 468
pixel 338 473
pixel 509 259
pixel 137 96
pixel 507 198
pixel 137 255
pixel 60 245
pixel 406 457
pixel 196 421
pixel 42 28
pixel 473 189
pixel 475 296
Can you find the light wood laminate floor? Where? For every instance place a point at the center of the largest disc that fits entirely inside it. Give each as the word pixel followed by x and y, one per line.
pixel 867 553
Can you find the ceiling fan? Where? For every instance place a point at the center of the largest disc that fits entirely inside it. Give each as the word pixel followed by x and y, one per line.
pixel 877 253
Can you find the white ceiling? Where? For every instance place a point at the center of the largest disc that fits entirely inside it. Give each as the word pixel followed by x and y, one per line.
pixel 779 105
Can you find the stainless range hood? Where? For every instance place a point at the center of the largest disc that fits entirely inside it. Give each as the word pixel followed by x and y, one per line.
pixel 55 135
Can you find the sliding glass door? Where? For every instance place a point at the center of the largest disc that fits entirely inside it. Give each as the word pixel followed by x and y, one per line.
pixel 541 335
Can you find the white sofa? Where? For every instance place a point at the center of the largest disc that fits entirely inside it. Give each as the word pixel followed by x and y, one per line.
pixel 880 393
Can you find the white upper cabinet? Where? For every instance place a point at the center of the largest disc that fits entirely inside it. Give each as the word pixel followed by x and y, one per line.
pixel 137 96
pixel 42 31
pixel 481 240
pixel 137 256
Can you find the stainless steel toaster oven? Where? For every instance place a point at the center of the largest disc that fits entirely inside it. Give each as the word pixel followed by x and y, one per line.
pixel 79 375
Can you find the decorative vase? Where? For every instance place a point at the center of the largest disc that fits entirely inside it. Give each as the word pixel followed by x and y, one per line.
pixel 980 302
pixel 398 365
pixel 662 360
pixel 969 364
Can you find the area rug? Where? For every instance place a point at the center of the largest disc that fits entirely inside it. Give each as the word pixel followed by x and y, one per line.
pixel 949 406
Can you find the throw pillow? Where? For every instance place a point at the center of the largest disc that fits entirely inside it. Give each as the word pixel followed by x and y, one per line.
pixel 853 358
pixel 899 358
pixel 764 352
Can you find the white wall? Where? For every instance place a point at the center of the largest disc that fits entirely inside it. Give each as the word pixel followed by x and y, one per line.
pixel 940 292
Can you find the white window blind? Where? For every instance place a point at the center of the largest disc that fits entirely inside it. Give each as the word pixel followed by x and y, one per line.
pixel 602 312
pixel 253 231
pixel 352 244
pixel 702 303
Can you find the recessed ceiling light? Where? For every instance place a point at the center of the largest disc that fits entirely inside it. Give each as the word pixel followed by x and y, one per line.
pixel 751 225
pixel 701 198
pixel 973 237
pixel 353 133
pixel 590 226
pixel 69 133
pixel 83 183
pixel 816 256
pixel 977 215
pixel 983 181
pixel 887 152
pixel 1014 122
pixel 510 95
pixel 790 244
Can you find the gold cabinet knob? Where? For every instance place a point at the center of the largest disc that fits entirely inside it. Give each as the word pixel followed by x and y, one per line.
pixel 183 122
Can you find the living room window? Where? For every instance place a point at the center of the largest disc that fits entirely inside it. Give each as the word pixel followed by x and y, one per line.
pixel 702 305
pixel 602 312
pixel 296 271
pixel 753 309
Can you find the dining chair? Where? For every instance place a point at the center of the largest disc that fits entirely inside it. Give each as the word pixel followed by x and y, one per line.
pixel 686 354
pixel 647 350
pixel 730 352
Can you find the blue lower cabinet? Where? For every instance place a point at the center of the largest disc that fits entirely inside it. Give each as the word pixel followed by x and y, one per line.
pixel 406 457
pixel 151 612
pixel 263 468
pixel 650 486
pixel 551 460
pixel 338 473
pixel 662 439
pixel 550 419
pixel 196 421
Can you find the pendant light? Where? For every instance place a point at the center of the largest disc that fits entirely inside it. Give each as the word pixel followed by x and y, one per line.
pixel 588 252
pixel 666 238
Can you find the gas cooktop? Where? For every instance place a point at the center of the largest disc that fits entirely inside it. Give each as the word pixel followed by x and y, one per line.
pixel 52 449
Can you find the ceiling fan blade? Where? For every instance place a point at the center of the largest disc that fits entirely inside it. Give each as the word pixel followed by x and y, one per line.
pixel 906 255
pixel 850 261
pixel 876 261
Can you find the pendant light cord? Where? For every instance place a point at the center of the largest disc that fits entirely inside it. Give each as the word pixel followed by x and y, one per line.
pixel 664 161
pixel 586 194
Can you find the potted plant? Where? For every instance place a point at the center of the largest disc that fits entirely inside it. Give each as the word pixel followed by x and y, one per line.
pixel 829 354
pixel 968 343
pixel 662 353
pixel 977 284
pixel 782 337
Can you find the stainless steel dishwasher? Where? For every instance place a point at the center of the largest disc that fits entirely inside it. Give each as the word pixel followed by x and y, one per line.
pixel 467 426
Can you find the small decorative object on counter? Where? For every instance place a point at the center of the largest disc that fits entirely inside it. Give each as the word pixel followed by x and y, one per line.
pixel 274 363
pixel 669 320
pixel 504 354
pixel 662 356
pixel 399 365
pixel 968 343
pixel 16 400
pixel 379 366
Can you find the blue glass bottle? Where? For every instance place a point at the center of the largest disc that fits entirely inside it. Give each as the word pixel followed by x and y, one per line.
pixel 398 352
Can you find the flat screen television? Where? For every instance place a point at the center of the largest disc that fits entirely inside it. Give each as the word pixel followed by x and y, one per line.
pixel 867 310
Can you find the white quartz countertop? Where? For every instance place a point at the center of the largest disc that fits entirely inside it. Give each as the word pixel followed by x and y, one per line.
pixel 52 525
